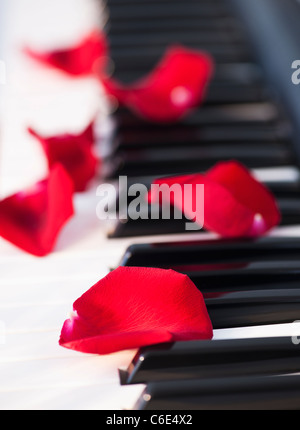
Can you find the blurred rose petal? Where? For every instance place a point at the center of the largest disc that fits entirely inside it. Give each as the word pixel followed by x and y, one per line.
pixel 74 152
pixel 86 58
pixel 32 219
pixel 235 203
pixel 175 86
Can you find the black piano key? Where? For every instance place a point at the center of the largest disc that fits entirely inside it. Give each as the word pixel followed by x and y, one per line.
pixel 221 45
pixel 129 50
pixel 234 93
pixel 139 11
pixel 212 359
pixel 244 114
pixel 122 2
pixel 290 210
pixel 165 34
pixel 205 153
pixel 143 54
pixel 244 283
pixel 191 134
pixel 254 308
pixel 126 59
pixel 160 24
pixel 232 83
pixel 240 393
pixel 143 150
pixel 238 73
pixel 188 134
pixel 147 226
pixel 132 55
pixel 188 37
pixel 205 252
pixel 149 2
pixel 265 34
pixel 166 2
pixel 286 192
pixel 260 295
pixel 244 277
pixel 218 125
pixel 163 161
pixel 131 228
pixel 287 195
pixel 154 162
pixel 227 281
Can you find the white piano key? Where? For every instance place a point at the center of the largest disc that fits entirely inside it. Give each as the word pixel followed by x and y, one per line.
pixel 275 330
pixel 65 380
pixel 273 174
pixel 34 345
pixel 41 316
pixel 45 290
pixel 51 268
pixel 99 396
pixel 72 371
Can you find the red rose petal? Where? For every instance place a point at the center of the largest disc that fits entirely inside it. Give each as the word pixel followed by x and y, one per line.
pixel 32 220
pixel 107 344
pixel 133 307
pixel 176 85
pixel 236 178
pixel 235 203
pixel 81 60
pixel 74 152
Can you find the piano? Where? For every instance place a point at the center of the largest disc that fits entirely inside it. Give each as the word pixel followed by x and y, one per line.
pixel 251 288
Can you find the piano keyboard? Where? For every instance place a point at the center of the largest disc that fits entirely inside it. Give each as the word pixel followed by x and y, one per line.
pixel 251 288
pixel 241 118
pixel 208 135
